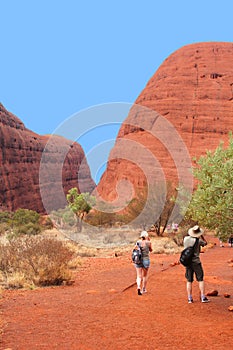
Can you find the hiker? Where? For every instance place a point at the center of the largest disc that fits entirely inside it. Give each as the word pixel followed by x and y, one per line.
pixel 196 267
pixel 142 268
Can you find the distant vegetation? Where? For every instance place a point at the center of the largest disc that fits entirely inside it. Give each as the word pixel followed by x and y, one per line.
pixel 23 221
pixel 28 259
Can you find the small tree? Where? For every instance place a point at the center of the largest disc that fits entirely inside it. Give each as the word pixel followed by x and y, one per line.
pixel 212 202
pixel 80 204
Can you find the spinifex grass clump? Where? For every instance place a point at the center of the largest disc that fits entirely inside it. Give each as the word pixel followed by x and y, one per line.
pixel 29 261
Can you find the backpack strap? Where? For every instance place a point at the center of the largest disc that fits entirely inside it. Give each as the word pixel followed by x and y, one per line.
pixel 196 244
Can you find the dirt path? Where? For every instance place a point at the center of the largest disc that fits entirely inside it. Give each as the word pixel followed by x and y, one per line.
pixel 101 310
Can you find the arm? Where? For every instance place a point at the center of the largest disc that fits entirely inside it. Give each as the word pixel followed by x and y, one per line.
pixel 203 241
pixel 149 244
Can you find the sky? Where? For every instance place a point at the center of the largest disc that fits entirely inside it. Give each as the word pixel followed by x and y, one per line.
pixel 62 58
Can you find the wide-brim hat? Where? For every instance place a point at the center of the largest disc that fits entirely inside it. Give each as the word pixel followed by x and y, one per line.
pixel 144 234
pixel 195 231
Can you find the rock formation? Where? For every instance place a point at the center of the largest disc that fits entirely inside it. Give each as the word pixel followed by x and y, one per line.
pixel 37 171
pixel 185 109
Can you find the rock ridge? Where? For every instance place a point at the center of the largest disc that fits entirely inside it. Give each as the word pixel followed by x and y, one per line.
pixel 21 152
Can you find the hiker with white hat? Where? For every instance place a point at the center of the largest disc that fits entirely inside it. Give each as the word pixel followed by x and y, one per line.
pixel 195 233
pixel 144 244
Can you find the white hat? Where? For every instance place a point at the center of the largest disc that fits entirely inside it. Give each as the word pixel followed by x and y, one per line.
pixel 195 231
pixel 144 234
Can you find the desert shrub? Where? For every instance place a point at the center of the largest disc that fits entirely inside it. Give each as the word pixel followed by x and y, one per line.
pixel 16 280
pixel 4 227
pixel 28 229
pixel 25 222
pixel 5 216
pixel 69 218
pixel 35 261
pixel 25 216
pixel 64 218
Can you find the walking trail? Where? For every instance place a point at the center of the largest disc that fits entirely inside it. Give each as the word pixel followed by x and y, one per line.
pixel 102 310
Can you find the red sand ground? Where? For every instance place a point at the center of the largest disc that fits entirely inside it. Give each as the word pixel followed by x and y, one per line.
pixel 103 311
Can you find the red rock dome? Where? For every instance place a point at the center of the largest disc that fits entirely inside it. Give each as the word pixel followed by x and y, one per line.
pixel 21 152
pixel 185 109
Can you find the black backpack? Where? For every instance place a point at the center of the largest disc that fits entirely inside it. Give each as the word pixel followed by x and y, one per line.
pixel 137 255
pixel 187 254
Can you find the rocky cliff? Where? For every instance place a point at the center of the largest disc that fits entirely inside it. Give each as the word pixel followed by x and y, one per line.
pixel 37 171
pixel 185 109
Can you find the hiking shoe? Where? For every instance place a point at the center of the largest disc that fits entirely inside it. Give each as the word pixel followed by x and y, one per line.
pixel 205 300
pixel 190 301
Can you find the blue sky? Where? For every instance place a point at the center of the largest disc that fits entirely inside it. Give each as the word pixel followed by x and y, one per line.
pixel 59 58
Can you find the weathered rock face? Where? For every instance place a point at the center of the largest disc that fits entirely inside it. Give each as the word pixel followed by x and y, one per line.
pixel 37 171
pixel 185 109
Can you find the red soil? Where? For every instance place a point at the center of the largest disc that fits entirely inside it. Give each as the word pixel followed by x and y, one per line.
pixel 103 311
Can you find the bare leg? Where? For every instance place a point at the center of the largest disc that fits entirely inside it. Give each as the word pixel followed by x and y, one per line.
pixel 144 278
pixel 139 278
pixel 202 288
pixel 189 290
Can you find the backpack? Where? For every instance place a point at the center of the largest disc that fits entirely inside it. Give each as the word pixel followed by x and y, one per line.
pixel 137 255
pixel 187 254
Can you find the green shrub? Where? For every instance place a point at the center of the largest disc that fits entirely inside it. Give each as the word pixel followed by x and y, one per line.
pixel 27 229
pixel 4 227
pixel 5 216
pixel 23 221
pixel 64 218
pixel 25 216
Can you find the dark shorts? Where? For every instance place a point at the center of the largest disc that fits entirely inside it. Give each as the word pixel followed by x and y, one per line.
pixel 194 268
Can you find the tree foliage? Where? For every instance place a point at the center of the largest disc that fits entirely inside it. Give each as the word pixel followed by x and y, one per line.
pixel 80 204
pixel 212 202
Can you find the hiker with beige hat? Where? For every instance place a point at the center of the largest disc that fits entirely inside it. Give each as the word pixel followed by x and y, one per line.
pixel 195 233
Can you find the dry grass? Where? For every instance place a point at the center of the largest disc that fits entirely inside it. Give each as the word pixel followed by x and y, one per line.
pixel 35 261
pixel 165 245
